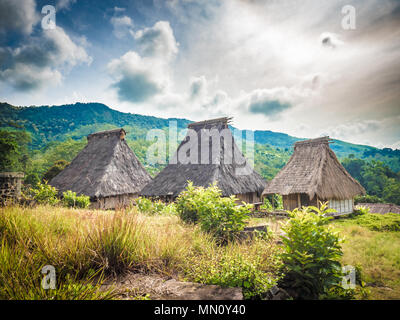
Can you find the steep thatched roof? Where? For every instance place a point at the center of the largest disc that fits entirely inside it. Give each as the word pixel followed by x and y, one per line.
pixel 207 154
pixel 314 169
pixel 105 167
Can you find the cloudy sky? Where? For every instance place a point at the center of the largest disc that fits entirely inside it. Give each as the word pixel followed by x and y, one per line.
pixel 287 66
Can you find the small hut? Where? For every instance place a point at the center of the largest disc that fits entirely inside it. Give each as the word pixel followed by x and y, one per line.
pixel 208 154
pixel 314 174
pixel 106 170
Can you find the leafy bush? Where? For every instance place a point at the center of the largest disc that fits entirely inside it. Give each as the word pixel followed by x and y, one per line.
pixel 273 202
pixel 254 267
pixel 361 210
pixel 145 205
pixel 240 272
pixel 367 199
pixel 311 253
pixel 58 166
pixel 218 215
pixel 71 200
pixel 44 193
pixel 32 179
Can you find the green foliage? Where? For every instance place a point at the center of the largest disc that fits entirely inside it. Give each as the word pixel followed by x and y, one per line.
pixel 32 179
pixel 360 210
pixel 71 200
pixel 312 253
pixel 367 199
pixel 145 205
pixel 272 202
pixel 44 193
pixel 237 271
pixel 381 183
pixel 58 166
pixel 13 150
pixel 218 215
pixel 42 160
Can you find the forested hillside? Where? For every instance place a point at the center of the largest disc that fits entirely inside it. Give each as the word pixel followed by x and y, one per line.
pixel 35 139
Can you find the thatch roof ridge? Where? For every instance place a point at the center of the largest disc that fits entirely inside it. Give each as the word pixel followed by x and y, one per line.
pixel 105 167
pixel 315 170
pixel 224 120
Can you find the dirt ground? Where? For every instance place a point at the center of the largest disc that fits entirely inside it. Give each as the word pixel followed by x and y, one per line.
pixel 155 287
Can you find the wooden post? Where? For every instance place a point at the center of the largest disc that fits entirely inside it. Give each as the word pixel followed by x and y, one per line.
pixel 298 201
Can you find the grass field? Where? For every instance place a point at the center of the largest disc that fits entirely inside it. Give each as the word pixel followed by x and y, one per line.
pixel 372 242
pixel 87 246
pixel 84 244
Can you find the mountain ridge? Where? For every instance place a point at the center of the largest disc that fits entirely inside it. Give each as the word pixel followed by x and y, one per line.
pixel 49 123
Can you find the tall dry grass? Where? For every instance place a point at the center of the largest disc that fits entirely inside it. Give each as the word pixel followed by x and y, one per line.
pixel 85 246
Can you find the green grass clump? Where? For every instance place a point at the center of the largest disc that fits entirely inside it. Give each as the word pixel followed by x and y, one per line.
pixel 376 221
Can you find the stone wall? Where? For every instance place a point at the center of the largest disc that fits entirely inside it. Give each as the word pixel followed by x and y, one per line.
pixel 10 186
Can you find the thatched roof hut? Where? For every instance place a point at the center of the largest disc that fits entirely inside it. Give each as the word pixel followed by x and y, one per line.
pixel 208 154
pixel 107 170
pixel 314 173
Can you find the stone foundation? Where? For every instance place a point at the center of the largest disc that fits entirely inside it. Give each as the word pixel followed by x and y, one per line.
pixel 10 186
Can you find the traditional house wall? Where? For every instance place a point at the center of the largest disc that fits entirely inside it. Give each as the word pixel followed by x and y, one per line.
pixel 250 197
pixel 298 200
pixel 290 202
pixel 342 206
pixel 114 202
pixel 295 200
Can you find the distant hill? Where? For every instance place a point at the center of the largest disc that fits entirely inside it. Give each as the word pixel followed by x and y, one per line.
pixel 53 123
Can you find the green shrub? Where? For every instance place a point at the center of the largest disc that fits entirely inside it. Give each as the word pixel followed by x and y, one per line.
pixel 218 215
pixel 367 199
pixel 360 210
pixel 145 205
pixel 243 273
pixel 44 193
pixel 71 200
pixel 32 179
pixel 312 253
pixel 272 202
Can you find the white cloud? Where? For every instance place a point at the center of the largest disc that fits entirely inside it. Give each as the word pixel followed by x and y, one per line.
pixel 38 62
pixel 121 26
pixel 139 78
pixel 65 4
pixel 157 41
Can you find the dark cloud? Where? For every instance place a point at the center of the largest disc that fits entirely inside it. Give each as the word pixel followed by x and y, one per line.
pixel 17 15
pixel 36 63
pixel 269 108
pixel 136 87
pixel 198 87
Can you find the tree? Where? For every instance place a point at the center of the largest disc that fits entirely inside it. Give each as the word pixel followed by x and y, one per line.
pixel 391 192
pixel 58 166
pixel 13 150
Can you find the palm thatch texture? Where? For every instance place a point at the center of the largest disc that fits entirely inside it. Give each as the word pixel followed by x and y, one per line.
pixel 107 170
pixel 208 154
pixel 314 171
